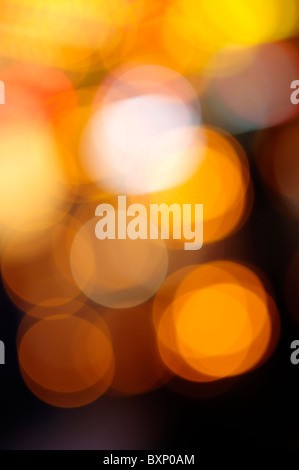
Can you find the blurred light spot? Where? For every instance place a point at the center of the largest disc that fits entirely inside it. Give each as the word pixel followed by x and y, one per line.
pixel 69 126
pixel 205 27
pixel 66 360
pixel 257 95
pixel 145 136
pixel 143 39
pixel 35 92
pixel 31 189
pixel 215 321
pixel 50 31
pixel 221 184
pixel 118 273
pixel 42 277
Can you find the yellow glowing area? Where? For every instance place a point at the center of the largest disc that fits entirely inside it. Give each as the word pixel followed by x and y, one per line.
pixel 221 343
pixel 118 273
pixel 211 26
pixel 188 53
pixel 146 134
pixel 31 188
pixel 250 21
pixel 170 352
pixel 214 327
pixel 212 324
pixel 220 184
pixel 40 275
pixel 67 356
pixel 50 32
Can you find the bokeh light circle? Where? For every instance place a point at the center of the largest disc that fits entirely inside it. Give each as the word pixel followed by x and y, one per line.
pixel 215 321
pixel 117 273
pixel 66 360
pixel 145 134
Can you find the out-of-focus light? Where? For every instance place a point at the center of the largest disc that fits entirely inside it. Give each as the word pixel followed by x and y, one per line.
pixel 117 273
pixel 221 184
pixel 31 178
pixel 66 360
pixel 195 30
pixel 50 31
pixel 258 94
pixel 145 135
pixel 69 126
pixel 165 328
pixel 215 321
pixel 277 161
pixel 249 22
pixel 138 366
pixel 143 39
pixel 35 92
pixel 35 188
pixel 41 275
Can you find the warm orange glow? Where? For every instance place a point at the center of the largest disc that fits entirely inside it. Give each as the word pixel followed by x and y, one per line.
pixel 127 131
pixel 35 92
pixel 43 277
pixel 35 191
pixel 218 324
pixel 118 273
pixel 138 366
pixel 69 126
pixel 64 355
pixel 221 184
pixel 50 31
pixel 206 27
pixel 32 195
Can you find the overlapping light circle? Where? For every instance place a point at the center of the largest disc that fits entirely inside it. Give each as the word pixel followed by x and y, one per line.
pixel 50 32
pixel 221 184
pixel 66 360
pixel 140 105
pixel 215 321
pixel 42 277
pixel 257 94
pixel 117 273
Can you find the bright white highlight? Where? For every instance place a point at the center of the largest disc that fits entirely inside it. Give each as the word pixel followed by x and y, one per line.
pixel 146 142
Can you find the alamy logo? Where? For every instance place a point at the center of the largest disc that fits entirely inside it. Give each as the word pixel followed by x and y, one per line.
pixel 2 353
pixel 138 227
